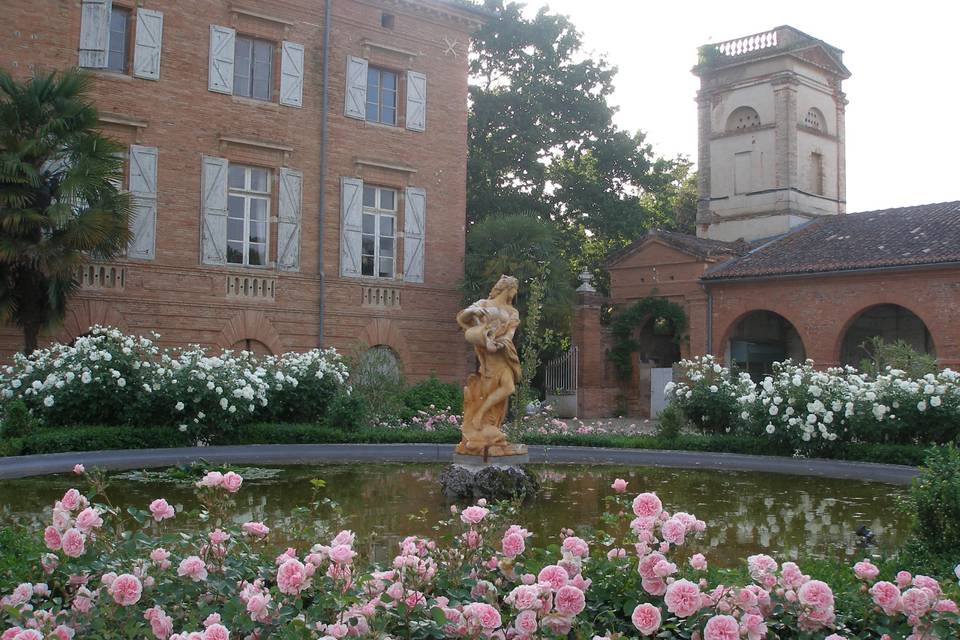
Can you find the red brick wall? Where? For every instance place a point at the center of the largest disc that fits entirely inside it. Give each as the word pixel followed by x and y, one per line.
pixel 186 301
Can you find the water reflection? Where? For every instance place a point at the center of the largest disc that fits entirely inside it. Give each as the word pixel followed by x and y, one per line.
pixel 746 512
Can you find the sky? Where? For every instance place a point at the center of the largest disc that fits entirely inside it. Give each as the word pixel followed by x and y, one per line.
pixel 903 116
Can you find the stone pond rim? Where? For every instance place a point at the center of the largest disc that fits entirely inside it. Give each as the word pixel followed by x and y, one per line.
pixel 49 463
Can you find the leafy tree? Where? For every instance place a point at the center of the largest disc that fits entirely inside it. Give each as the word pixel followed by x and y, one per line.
pixel 59 200
pixel 525 247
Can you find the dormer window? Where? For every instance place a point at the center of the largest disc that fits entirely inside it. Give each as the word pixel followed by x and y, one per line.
pixel 743 118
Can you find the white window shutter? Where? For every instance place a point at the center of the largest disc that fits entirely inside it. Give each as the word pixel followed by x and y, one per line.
pixel 143 188
pixel 356 93
pixel 416 101
pixel 289 219
pixel 351 226
pixel 222 45
pixel 214 210
pixel 291 74
pixel 414 233
pixel 94 33
pixel 146 51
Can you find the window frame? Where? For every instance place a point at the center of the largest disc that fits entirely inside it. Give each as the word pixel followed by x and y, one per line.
pixel 250 68
pixel 379 213
pixel 379 96
pixel 249 194
pixel 125 51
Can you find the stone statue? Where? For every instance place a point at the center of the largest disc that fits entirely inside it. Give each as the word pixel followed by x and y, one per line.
pixel 489 325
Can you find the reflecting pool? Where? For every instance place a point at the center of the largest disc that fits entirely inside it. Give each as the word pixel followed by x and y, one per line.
pixel 746 512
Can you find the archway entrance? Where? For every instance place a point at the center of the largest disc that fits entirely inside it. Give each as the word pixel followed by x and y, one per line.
pixel 255 347
pixel 761 338
pixel 657 351
pixel 891 323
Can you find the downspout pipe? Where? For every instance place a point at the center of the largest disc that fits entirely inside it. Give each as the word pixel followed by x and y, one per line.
pixel 709 320
pixel 324 109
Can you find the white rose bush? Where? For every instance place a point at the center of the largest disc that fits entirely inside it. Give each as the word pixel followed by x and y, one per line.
pixel 203 573
pixel 807 409
pixel 109 378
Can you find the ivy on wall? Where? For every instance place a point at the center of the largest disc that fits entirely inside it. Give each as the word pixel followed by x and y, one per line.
pixel 623 324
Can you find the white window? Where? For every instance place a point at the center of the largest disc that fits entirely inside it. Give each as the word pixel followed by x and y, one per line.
pixel 381 96
pixel 378 235
pixel 118 42
pixel 253 68
pixel 248 213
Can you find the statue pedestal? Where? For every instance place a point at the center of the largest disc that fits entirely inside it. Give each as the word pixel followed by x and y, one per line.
pixel 497 478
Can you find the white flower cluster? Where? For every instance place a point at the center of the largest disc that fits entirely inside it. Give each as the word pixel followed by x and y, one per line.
pixel 806 404
pixel 111 378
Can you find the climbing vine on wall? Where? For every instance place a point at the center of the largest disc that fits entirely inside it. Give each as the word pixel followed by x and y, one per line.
pixel 629 319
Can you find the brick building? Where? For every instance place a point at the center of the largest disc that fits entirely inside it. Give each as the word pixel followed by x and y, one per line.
pixel 299 176
pixel 777 269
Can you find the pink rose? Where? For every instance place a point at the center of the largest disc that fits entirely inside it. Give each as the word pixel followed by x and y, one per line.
pixel 342 554
pixel 486 615
pixel 754 627
pixel 344 537
pixel 915 602
pixel 646 618
pixel 673 531
pixel 722 628
pixel 79 469
pixel 647 565
pixel 73 543
pixel 619 485
pixel 89 519
pixel 192 567
pixel 216 632
pixel 576 546
pixel 161 510
pixel 28 634
pixel 647 505
pixel 525 597
pixel 232 481
pixel 904 579
pixel 256 529
pixel 292 577
pixel 211 479
pixel 126 589
pixel 526 623
pixel 63 632
pixel 513 545
pixel 258 606
pixel 928 583
pixel 71 499
pixel 761 565
pixel 51 538
pixel 474 514
pixel 698 562
pixel 946 606
pixel 569 601
pixel 682 598
pixel 160 556
pixel 816 594
pixel 654 586
pixel 866 570
pixel 553 576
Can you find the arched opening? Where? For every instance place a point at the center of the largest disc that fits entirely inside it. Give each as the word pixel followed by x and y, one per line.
pixel 255 347
pixel 379 362
pixel 657 345
pixel 815 120
pixel 761 338
pixel 743 118
pixel 889 322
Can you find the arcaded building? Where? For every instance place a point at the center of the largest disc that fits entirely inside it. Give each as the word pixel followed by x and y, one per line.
pixel 777 268
pixel 299 176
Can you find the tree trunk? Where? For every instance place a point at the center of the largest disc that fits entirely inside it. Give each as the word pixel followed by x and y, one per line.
pixel 30 334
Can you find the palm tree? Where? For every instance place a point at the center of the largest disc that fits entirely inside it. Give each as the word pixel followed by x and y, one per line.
pixel 60 201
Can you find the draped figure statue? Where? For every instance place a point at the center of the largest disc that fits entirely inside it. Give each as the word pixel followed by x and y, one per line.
pixel 489 325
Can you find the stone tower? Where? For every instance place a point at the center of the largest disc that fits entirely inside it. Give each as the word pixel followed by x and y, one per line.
pixel 771 134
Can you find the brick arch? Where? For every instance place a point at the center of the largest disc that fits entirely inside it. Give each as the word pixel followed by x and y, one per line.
pixel 250 325
pixel 83 315
pixel 386 332
pixel 853 317
pixel 805 342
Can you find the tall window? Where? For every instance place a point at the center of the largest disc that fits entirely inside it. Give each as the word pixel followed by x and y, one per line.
pixel 381 96
pixel 816 173
pixel 247 215
pixel 253 68
pixel 379 232
pixel 119 39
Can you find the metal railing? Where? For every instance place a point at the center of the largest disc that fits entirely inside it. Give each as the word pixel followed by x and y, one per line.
pixel 561 372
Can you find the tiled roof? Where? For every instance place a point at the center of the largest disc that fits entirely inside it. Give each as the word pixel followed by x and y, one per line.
pixel 923 234
pixel 700 247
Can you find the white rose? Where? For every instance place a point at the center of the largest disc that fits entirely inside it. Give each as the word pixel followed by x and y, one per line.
pixel 48 401
pixel 935 401
pixel 179 406
pixel 771 428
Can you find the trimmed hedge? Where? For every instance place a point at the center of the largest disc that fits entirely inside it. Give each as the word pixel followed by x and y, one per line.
pixel 57 440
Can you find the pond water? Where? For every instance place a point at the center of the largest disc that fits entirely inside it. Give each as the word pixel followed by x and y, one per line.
pixel 746 512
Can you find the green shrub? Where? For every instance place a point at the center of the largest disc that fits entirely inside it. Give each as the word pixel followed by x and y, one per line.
pixel 97 438
pixel 670 422
pixel 20 550
pixel 431 392
pixel 895 355
pixel 935 500
pixel 347 411
pixel 17 420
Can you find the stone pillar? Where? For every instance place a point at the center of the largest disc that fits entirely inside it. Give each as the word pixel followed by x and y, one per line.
pixel 587 337
pixel 704 128
pixel 841 100
pixel 785 109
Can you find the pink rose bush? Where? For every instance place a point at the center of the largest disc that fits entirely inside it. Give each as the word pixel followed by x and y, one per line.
pixel 227 581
